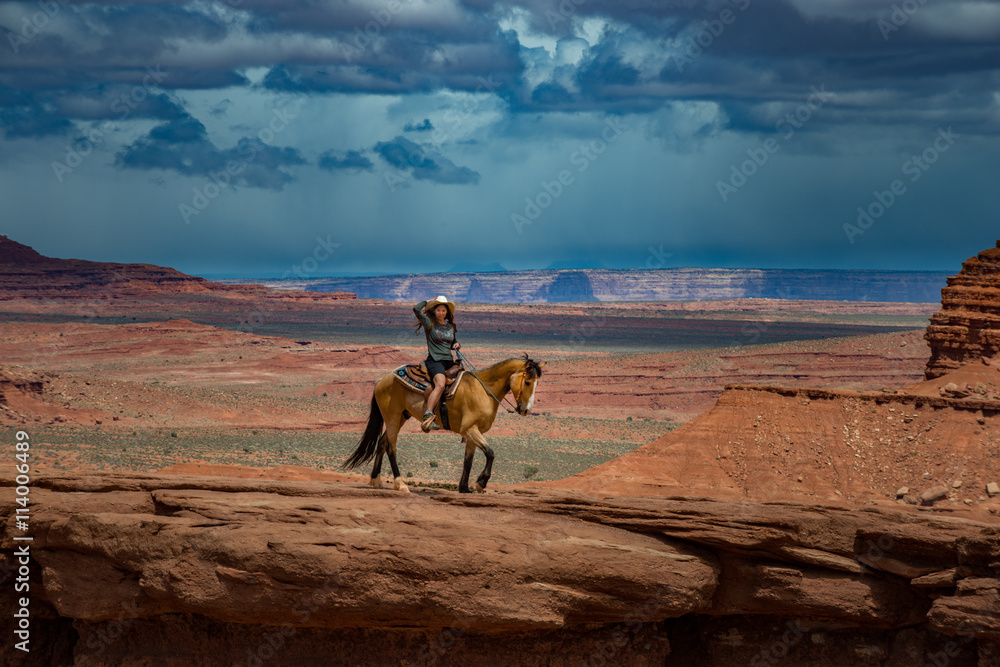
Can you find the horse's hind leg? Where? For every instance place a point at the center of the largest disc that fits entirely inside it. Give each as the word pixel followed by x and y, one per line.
pixel 376 480
pixel 476 439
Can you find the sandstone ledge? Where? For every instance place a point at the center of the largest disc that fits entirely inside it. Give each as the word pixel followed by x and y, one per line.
pixel 165 563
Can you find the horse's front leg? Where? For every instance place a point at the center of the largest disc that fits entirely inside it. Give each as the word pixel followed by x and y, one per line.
pixel 470 452
pixel 477 440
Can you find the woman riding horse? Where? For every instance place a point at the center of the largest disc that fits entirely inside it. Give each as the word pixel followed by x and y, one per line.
pixel 472 411
pixel 440 333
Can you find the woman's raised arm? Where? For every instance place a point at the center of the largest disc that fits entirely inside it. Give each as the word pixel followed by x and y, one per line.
pixel 422 317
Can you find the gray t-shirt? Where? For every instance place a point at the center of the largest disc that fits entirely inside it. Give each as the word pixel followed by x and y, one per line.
pixel 440 337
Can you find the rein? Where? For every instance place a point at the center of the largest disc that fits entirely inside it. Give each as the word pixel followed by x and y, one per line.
pixel 474 371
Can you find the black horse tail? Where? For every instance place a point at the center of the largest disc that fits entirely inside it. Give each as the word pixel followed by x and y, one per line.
pixel 370 440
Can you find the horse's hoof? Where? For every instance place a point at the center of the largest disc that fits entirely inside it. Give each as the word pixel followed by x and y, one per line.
pixel 375 482
pixel 465 490
pixel 480 488
pixel 400 485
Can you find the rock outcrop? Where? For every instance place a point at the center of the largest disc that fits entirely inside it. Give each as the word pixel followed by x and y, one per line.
pixel 771 443
pixel 968 325
pixel 129 570
pixel 26 274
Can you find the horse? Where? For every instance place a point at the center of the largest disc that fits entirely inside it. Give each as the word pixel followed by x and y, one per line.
pixel 471 412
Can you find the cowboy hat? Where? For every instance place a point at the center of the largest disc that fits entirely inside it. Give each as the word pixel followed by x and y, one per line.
pixel 441 300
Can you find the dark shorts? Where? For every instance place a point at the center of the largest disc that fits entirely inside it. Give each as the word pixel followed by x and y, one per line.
pixel 434 366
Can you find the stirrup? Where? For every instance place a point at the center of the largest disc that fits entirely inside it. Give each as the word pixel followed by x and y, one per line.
pixel 427 425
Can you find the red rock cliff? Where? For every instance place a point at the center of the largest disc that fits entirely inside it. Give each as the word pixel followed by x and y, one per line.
pixel 24 273
pixel 968 325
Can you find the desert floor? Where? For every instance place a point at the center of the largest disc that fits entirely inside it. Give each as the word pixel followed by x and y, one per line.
pixel 283 390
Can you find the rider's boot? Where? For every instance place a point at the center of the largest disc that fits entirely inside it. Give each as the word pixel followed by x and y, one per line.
pixel 428 424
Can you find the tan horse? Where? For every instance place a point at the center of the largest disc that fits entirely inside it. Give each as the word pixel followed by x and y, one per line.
pixel 471 412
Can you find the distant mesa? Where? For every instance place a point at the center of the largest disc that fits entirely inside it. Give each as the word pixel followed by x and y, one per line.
pixel 476 293
pixel 674 284
pixel 472 267
pixel 27 274
pixel 967 327
pixel 569 286
pixel 575 264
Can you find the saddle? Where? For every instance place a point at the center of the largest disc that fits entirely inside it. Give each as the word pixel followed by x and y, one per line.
pixel 414 377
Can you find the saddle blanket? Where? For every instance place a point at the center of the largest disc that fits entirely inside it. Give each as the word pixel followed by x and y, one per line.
pixel 414 379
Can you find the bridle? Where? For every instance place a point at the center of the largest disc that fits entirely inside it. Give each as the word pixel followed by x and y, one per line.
pixel 473 368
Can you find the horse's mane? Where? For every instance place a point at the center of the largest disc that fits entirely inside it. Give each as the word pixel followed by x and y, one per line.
pixel 530 366
pixel 534 370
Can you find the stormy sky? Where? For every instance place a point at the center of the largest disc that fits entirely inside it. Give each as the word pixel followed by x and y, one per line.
pixel 334 137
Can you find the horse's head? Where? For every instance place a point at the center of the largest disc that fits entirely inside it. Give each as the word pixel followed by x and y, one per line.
pixel 524 382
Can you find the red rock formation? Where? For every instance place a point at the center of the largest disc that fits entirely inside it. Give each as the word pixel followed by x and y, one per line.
pixel 150 569
pixel 26 274
pixel 776 443
pixel 968 325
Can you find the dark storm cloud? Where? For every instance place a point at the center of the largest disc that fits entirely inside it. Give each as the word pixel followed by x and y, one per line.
pixel 112 34
pixel 426 164
pixel 182 146
pixel 73 77
pixel 31 119
pixel 748 56
pixel 405 63
pixel 766 51
pixel 50 113
pixel 351 160
pixel 424 126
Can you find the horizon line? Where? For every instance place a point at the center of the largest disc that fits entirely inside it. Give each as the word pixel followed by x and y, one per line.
pixel 235 276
